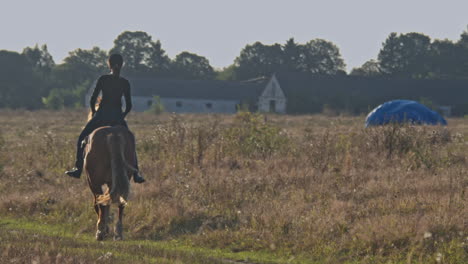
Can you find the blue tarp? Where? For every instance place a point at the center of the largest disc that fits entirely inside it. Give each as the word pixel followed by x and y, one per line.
pixel 401 111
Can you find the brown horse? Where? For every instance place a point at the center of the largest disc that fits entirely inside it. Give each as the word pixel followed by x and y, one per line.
pixel 109 159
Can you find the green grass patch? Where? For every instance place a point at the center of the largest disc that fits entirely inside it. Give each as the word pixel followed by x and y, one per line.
pixel 61 238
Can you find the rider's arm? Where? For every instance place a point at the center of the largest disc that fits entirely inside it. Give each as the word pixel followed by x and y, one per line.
pixel 97 90
pixel 128 99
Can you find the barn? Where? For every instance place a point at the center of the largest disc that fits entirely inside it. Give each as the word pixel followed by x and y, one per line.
pixel 206 96
pixel 296 93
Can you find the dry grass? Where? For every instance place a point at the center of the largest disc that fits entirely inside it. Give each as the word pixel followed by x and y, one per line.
pixel 315 186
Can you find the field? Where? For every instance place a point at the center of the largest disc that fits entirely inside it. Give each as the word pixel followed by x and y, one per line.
pixel 242 189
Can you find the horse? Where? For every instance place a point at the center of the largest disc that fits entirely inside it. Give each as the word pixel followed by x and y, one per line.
pixel 109 155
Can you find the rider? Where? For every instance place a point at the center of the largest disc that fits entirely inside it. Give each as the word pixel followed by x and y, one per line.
pixel 109 113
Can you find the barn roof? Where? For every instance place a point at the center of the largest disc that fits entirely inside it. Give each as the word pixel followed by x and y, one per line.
pixel 196 89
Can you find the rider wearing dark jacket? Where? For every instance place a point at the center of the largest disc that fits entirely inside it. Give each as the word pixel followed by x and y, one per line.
pixel 109 113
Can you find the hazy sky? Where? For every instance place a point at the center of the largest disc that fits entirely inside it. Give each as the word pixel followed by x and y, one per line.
pixel 219 29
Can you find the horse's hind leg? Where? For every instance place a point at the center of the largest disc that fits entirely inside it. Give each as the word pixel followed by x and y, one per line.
pixel 118 226
pixel 96 206
pixel 102 228
pixel 97 191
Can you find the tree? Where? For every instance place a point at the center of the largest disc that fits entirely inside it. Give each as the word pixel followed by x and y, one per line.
pixel 317 56
pixel 462 54
pixel 321 57
pixel 94 59
pixel 370 68
pixel 227 73
pixel 188 66
pixel 464 39
pixel 19 86
pixel 81 66
pixel 42 64
pixel 293 56
pixel 258 60
pixel 71 79
pixel 141 54
pixel 159 63
pixel 462 57
pixel 405 55
pixel 39 58
pixel 447 60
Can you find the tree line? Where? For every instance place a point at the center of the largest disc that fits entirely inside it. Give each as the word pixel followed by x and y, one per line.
pixel 31 79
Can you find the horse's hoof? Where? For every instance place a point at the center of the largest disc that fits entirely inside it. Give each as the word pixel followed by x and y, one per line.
pixel 118 232
pixel 100 235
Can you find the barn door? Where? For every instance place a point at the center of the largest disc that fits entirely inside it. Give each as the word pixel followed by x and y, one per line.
pixel 272 106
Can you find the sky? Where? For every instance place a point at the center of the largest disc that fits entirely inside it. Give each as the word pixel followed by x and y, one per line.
pixel 219 29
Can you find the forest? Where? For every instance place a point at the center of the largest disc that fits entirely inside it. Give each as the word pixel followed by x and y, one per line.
pixel 32 79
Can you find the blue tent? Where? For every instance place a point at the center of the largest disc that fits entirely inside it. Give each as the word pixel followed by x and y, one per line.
pixel 400 111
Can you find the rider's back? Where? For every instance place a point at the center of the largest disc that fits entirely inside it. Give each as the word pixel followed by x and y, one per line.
pixel 112 89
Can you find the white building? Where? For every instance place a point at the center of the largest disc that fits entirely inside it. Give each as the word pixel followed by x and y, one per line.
pixel 272 99
pixel 200 96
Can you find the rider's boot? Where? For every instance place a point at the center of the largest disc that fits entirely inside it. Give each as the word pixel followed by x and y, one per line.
pixel 76 171
pixel 138 178
pixel 136 175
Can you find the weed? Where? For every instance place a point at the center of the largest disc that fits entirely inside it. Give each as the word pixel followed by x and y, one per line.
pixel 322 188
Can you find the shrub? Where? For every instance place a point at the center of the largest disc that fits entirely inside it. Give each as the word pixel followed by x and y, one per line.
pixel 157 107
pixel 251 136
pixel 59 99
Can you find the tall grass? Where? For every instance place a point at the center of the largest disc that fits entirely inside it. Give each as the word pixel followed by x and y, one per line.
pixel 316 186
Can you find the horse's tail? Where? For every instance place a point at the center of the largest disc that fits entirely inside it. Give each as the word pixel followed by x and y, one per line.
pixel 119 168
